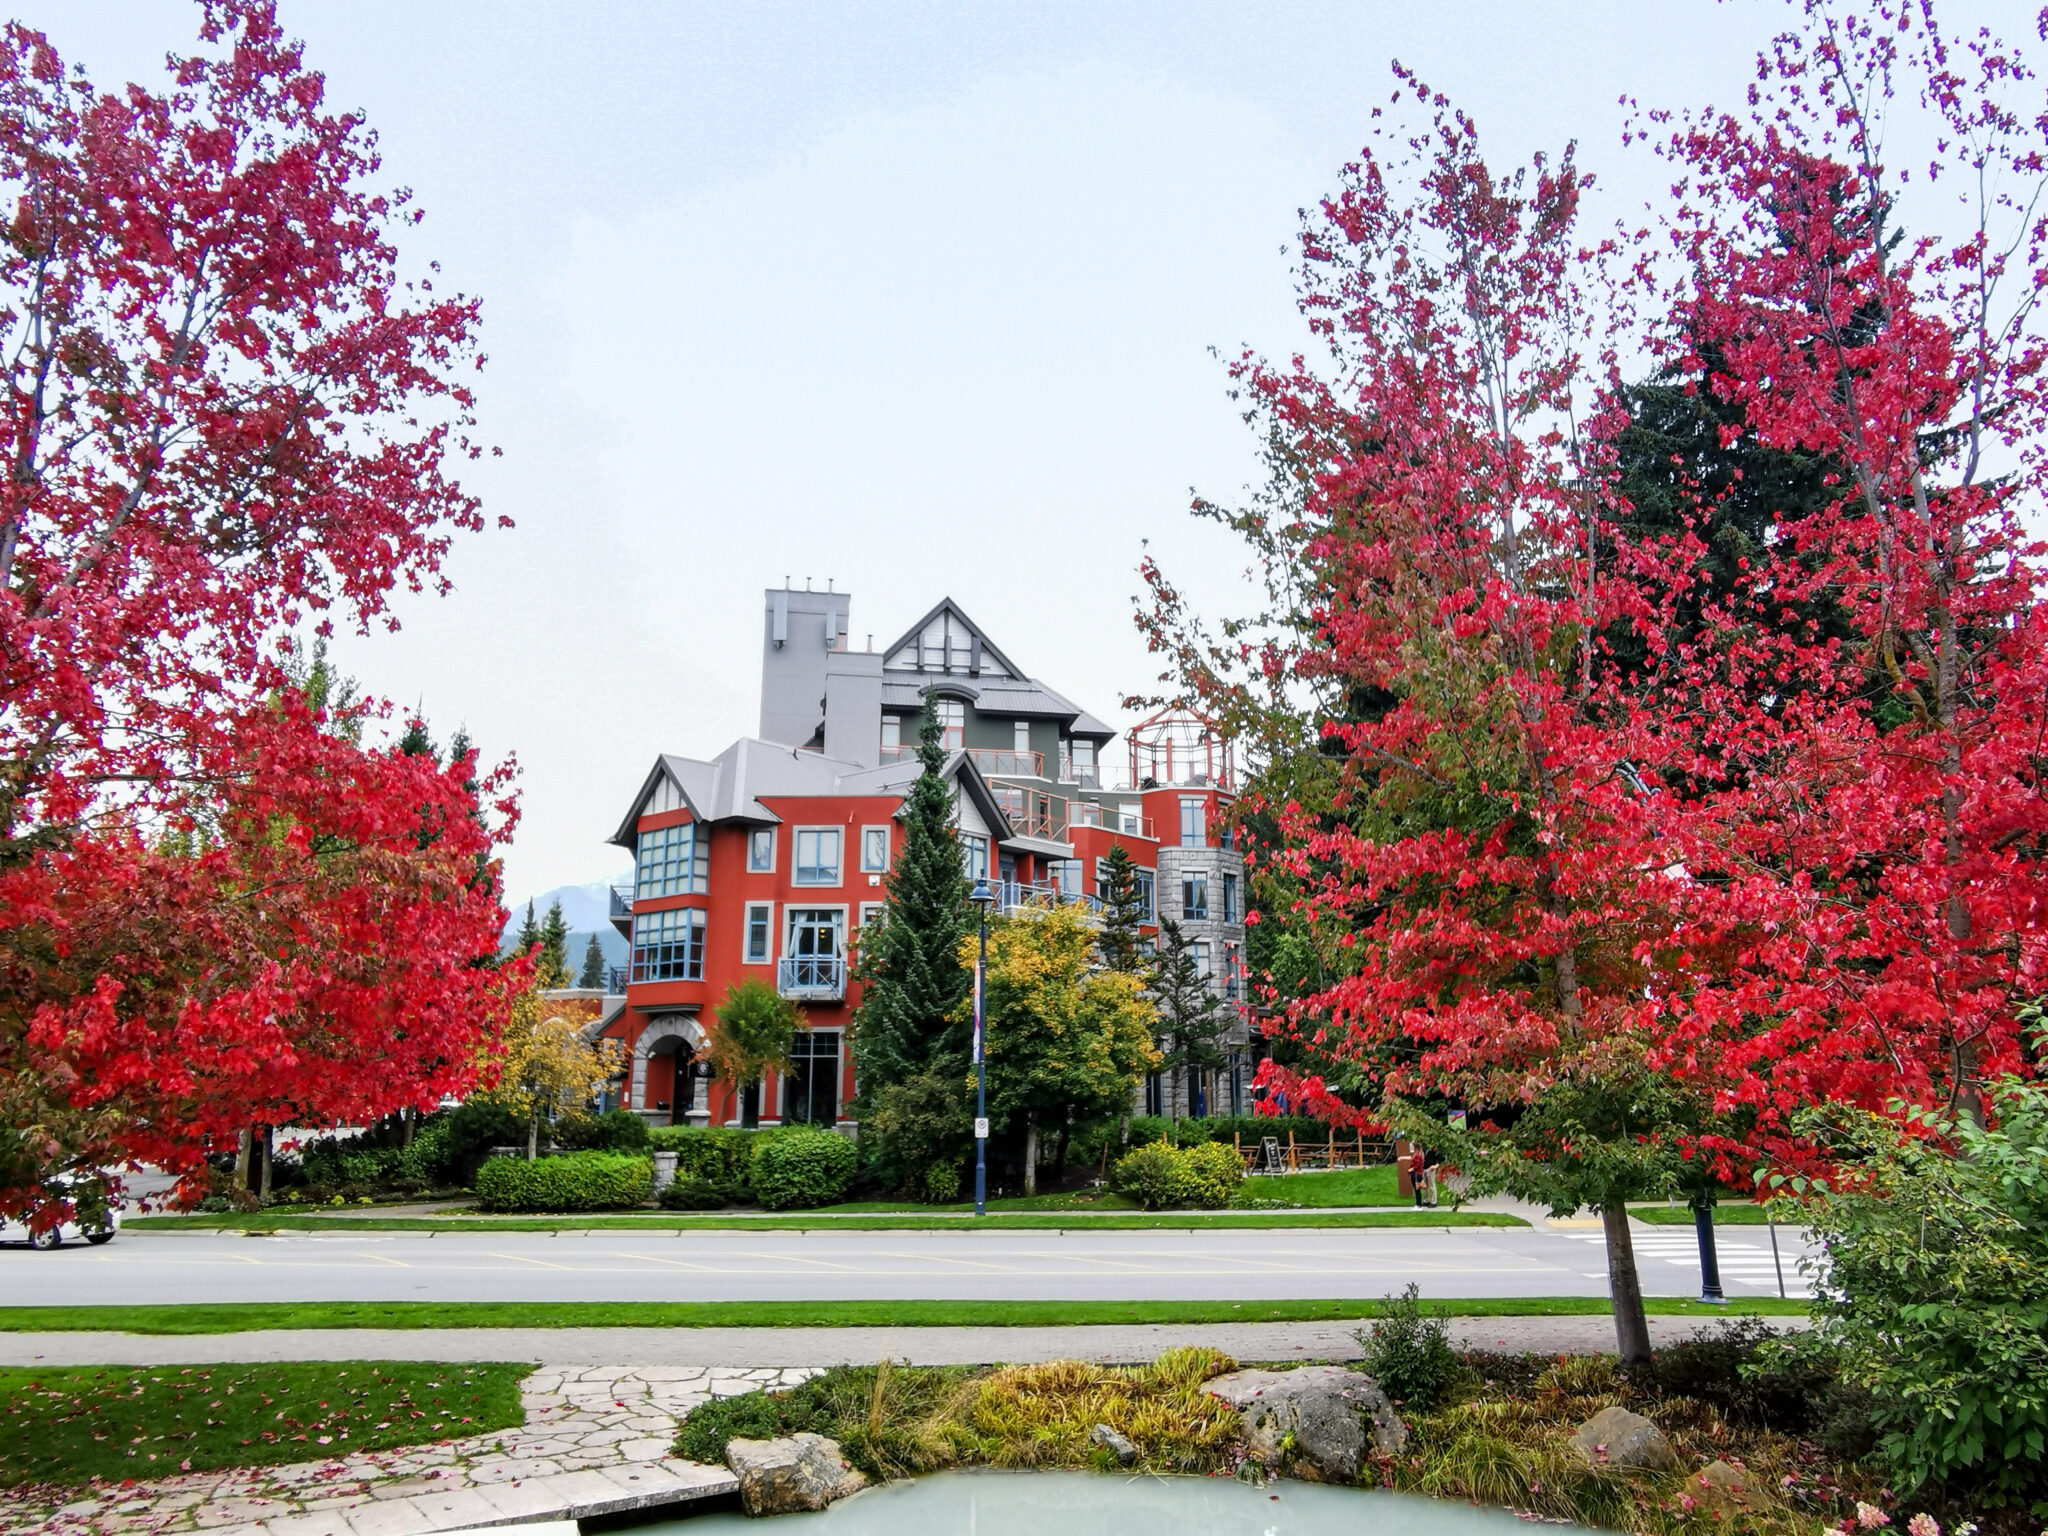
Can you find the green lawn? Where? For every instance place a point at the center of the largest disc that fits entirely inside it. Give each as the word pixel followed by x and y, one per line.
pixel 921 1220
pixel 1097 1200
pixel 1341 1186
pixel 67 1425
pixel 1746 1215
pixel 238 1317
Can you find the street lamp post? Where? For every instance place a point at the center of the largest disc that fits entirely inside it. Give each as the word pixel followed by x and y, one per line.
pixel 983 896
pixel 1710 1259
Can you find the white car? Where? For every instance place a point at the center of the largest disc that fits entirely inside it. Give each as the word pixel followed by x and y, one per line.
pixel 15 1231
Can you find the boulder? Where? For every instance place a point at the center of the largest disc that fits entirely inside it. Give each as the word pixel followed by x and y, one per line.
pixel 1722 1489
pixel 1614 1437
pixel 791 1476
pixel 1114 1443
pixel 1323 1408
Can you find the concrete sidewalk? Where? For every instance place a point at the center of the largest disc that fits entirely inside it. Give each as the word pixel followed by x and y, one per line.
pixel 809 1348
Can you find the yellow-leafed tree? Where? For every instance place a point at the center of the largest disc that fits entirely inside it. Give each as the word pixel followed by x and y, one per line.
pixel 545 1064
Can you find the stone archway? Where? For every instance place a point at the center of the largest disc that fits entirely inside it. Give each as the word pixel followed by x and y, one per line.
pixel 682 1035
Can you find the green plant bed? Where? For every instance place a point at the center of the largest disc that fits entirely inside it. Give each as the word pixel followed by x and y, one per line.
pixel 64 1426
pixel 255 1316
pixel 1500 1439
pixel 1066 1200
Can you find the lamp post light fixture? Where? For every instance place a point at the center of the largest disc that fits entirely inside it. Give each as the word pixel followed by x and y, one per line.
pixel 983 896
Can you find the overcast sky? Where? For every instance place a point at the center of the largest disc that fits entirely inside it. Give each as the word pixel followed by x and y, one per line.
pixel 915 298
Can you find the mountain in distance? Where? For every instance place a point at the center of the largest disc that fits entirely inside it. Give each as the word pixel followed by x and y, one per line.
pixel 588 909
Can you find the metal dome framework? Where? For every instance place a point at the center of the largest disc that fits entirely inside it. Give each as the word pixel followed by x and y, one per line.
pixel 1177 749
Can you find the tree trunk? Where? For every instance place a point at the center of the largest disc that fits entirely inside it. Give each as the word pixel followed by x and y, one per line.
pixel 1059 1155
pixel 1031 1155
pixel 1631 1327
pixel 533 1135
pixel 243 1145
pixel 263 1165
pixel 412 1120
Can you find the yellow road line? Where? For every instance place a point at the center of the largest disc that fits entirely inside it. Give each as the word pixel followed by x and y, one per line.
pixel 650 1258
pixel 520 1258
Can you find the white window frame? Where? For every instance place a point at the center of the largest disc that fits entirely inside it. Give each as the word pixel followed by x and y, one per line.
pixel 974 845
pixel 892 733
pixel 1020 736
pixel 747 955
pixel 790 909
pixel 1198 950
pixel 754 835
pixel 870 911
pixel 942 709
pixel 796 842
pixel 865 833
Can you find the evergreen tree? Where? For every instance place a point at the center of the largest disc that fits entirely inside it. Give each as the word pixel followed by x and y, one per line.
pixel 1120 941
pixel 593 964
pixel 529 934
pixel 553 969
pixel 1192 1019
pixel 912 982
pixel 416 742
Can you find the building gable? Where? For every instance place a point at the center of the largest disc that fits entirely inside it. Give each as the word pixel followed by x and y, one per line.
pixel 947 641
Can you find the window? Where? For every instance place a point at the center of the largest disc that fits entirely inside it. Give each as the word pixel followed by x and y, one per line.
pixel 817 856
pixel 669 946
pixel 1145 905
pixel 1066 874
pixel 952 718
pixel 669 862
pixel 811 1085
pixel 814 959
pixel 1194 894
pixel 1021 736
pixel 1083 756
pixel 870 912
pixel 1230 898
pixel 760 932
pixel 1194 823
pixel 1200 951
pixel 1231 966
pixel 874 849
pixel 974 855
pixel 892 734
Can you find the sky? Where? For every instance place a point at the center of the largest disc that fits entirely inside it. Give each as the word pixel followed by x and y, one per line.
pixel 925 300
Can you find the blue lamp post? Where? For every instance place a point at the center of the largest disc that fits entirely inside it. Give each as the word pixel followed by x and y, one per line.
pixel 983 896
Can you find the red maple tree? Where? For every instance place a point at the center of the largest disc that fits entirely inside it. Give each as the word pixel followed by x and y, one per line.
pixel 226 414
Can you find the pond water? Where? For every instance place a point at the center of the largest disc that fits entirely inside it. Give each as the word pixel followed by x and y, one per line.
pixel 992 1503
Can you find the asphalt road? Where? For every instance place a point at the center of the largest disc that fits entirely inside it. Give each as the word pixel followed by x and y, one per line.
pixel 803 1266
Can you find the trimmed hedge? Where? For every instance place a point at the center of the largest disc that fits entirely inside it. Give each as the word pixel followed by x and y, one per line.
pixel 580 1181
pixel 802 1167
pixel 722 1155
pixel 1163 1177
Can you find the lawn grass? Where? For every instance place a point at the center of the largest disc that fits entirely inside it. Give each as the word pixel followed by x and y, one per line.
pixel 66 1425
pixel 1096 1200
pixel 920 1221
pixel 1745 1215
pixel 1338 1186
pixel 251 1316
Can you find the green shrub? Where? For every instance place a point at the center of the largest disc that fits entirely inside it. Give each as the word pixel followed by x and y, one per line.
pixel 914 1126
pixel 616 1130
pixel 478 1124
pixel 1410 1355
pixel 1934 1292
pixel 700 1195
pixel 578 1181
pixel 802 1167
pixel 941 1183
pixel 724 1155
pixel 1161 1176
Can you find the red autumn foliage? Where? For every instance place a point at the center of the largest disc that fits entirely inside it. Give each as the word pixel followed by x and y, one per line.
pixel 225 413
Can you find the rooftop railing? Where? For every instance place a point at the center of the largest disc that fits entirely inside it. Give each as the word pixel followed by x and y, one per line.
pixel 997 763
pixel 1112 818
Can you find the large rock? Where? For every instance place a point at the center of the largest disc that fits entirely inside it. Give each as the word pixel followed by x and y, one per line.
pixel 1723 1489
pixel 788 1477
pixel 1114 1443
pixel 1324 1408
pixel 1614 1437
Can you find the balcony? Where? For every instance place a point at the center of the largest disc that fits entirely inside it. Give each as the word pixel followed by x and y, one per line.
pixel 1032 812
pixel 1112 818
pixel 811 978
pixel 1017 896
pixel 622 907
pixel 1008 765
pixel 1087 776
pixel 615 979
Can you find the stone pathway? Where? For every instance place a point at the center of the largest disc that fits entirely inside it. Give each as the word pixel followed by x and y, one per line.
pixel 596 1441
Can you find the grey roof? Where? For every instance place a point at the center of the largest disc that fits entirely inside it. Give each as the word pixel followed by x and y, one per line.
pixel 729 787
pixel 994 696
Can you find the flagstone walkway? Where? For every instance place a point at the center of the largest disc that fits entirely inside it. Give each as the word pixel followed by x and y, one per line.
pixel 596 1441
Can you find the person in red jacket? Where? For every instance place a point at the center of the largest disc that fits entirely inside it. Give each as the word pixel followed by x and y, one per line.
pixel 1418 1164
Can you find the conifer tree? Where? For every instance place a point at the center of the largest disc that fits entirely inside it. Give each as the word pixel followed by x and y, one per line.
pixel 1120 942
pixel 593 964
pixel 912 982
pixel 529 934
pixel 1192 1020
pixel 553 967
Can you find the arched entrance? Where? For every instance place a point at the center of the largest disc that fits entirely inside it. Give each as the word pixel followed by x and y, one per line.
pixel 667 1087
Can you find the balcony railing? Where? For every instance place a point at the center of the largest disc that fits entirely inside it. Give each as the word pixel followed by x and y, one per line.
pixel 811 978
pixel 622 907
pixel 1008 765
pixel 1088 776
pixel 1032 812
pixel 1015 896
pixel 1113 818
pixel 615 979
